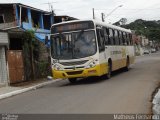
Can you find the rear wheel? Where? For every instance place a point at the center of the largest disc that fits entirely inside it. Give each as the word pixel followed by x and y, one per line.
pixel 72 80
pixel 109 70
pixel 127 65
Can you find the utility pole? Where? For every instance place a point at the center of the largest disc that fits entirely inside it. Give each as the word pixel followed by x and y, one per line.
pixel 49 5
pixel 103 17
pixel 93 13
pixel 52 11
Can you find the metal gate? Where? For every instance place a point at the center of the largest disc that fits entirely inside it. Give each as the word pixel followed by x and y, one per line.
pixel 15 64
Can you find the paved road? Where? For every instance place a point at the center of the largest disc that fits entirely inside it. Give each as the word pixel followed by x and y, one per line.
pixel 125 92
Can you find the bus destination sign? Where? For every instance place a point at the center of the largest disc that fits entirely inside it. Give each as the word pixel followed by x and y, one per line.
pixel 73 27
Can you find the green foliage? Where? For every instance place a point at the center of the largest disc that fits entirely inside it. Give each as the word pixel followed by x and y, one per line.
pixel 27 42
pixel 31 51
pixel 150 29
pixel 42 68
pixel 29 38
pixel 29 35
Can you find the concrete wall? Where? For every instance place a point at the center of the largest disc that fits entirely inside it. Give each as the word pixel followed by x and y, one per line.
pixel 3 66
pixel 3 38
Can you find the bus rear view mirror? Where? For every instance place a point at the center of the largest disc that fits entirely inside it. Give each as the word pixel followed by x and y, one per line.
pixel 46 39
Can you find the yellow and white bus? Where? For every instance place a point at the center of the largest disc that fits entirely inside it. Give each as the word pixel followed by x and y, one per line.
pixel 84 48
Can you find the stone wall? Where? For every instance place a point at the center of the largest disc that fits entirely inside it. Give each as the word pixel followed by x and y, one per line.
pixel 42 66
pixel 43 53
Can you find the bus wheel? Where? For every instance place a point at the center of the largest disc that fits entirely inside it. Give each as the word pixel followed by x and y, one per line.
pixel 109 70
pixel 127 65
pixel 72 80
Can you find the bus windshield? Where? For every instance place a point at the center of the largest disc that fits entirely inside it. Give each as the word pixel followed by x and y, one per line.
pixel 73 45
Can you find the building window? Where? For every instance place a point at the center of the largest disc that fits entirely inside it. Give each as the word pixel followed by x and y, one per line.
pixel 35 19
pixel 47 22
pixel 24 17
pixel 1 18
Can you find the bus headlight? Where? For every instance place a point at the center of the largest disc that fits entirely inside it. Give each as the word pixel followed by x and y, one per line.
pixel 57 67
pixel 92 64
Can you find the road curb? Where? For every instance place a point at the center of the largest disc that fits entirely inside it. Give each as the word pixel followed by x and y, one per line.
pixel 16 92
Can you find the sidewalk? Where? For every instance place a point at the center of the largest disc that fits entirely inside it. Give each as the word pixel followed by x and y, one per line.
pixel 8 91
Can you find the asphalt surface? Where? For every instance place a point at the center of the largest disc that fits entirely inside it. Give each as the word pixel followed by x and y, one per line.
pixel 125 92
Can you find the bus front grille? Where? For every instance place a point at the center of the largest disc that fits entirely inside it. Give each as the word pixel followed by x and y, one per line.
pixel 74 63
pixel 74 73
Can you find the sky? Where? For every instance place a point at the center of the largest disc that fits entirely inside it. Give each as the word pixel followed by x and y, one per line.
pixel 82 9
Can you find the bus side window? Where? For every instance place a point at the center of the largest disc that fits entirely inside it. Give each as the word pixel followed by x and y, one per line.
pixel 127 40
pixel 58 47
pixel 106 35
pixel 120 37
pixel 101 40
pixel 109 39
pixel 111 35
pixel 124 38
pixel 54 49
pixel 116 37
pixel 130 38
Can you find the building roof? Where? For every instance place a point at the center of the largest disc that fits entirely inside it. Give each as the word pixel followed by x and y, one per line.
pixel 36 9
pixel 26 6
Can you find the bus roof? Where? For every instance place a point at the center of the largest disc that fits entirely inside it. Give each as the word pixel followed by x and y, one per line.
pixel 96 22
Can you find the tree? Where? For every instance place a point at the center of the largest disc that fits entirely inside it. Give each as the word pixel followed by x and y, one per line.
pixel 122 21
pixel 150 29
pixel 28 48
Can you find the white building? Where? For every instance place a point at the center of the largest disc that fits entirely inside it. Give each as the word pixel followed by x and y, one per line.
pixel 144 41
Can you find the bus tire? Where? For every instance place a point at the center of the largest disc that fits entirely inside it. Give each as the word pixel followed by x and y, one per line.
pixel 127 64
pixel 72 80
pixel 109 70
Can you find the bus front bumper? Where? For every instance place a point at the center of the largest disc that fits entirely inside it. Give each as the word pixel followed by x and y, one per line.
pixel 98 70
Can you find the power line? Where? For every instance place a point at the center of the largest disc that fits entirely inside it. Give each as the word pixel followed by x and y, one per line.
pixel 128 9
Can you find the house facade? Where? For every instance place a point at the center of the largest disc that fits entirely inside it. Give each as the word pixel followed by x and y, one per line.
pixel 24 17
pixel 16 18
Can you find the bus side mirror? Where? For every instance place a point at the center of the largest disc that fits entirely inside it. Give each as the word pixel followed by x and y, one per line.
pixel 46 40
